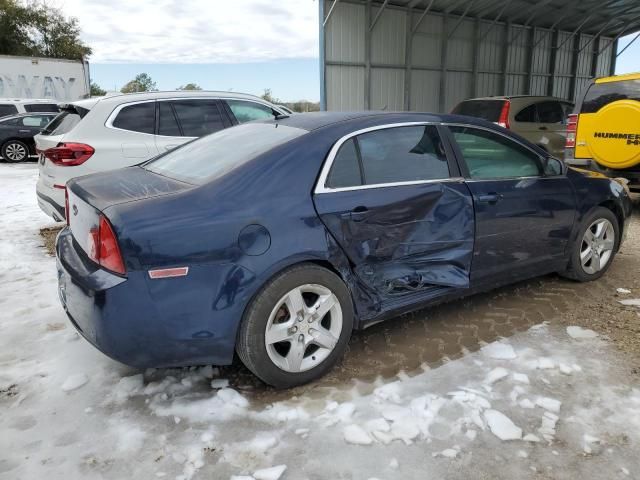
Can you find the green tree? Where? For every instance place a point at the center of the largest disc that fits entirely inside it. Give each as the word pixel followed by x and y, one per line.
pixel 267 95
pixel 37 29
pixel 96 90
pixel 142 83
pixel 190 86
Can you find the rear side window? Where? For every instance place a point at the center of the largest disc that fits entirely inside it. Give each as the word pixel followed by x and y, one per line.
pixel 526 115
pixel 392 155
pixel 41 107
pixel 140 117
pixel 550 112
pixel 198 117
pixel 486 109
pixel 248 111
pixel 168 124
pixel 489 155
pixel 216 155
pixel 600 95
pixel 7 109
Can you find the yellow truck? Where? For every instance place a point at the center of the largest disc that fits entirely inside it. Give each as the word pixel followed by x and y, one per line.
pixel 603 133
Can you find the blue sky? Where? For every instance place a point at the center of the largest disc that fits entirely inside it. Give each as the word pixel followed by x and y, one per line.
pixel 246 45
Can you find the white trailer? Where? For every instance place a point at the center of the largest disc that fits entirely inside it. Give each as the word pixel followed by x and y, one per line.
pixel 34 77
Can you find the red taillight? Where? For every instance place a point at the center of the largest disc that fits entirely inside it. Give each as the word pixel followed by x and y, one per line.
pixel 572 128
pixel 69 154
pixel 503 120
pixel 66 205
pixel 103 247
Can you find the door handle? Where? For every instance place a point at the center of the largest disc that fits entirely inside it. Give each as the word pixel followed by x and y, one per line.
pixel 357 214
pixel 170 147
pixel 24 131
pixel 490 198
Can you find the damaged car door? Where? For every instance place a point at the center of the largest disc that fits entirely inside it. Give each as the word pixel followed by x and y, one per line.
pixel 392 198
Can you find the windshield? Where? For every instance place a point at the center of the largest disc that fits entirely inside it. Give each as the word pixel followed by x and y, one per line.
pixel 486 109
pixel 217 154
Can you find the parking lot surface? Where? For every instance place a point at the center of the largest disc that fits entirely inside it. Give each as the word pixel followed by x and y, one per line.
pixel 536 380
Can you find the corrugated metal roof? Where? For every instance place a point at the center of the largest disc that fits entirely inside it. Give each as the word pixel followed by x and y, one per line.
pixel 609 18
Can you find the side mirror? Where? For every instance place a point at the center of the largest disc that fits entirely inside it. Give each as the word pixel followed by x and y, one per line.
pixel 553 167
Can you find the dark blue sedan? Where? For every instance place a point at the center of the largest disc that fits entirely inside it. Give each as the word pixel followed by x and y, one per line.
pixel 277 239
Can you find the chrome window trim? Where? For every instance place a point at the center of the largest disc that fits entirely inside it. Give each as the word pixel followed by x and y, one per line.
pixel 321 186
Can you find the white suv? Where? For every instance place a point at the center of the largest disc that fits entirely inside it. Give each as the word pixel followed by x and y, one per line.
pixel 11 106
pixel 100 134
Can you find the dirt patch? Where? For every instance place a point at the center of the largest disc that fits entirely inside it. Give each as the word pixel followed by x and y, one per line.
pixel 49 235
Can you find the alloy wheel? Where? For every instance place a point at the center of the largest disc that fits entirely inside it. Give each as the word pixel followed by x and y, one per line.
pixel 597 246
pixel 303 328
pixel 15 152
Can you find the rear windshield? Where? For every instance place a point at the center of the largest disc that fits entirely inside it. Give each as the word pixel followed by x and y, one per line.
pixel 7 109
pixel 600 95
pixel 486 109
pixel 65 121
pixel 217 154
pixel 41 107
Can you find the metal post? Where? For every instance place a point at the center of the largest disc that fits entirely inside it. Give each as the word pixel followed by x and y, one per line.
pixel 594 57
pixel 367 57
pixel 574 67
pixel 505 57
pixel 476 50
pixel 552 62
pixel 614 58
pixel 408 50
pixel 323 67
pixel 532 38
pixel 443 63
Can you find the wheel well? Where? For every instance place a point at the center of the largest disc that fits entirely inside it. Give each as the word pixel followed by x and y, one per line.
pixel 617 211
pixel 27 142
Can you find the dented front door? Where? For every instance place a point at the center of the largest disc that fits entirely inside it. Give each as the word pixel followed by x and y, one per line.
pixel 404 238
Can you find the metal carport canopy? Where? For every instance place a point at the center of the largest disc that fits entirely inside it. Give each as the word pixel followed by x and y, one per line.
pixel 430 54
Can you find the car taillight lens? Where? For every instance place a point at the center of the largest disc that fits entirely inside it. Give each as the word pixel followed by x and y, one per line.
pixel 572 128
pixel 66 205
pixel 103 247
pixel 503 119
pixel 69 154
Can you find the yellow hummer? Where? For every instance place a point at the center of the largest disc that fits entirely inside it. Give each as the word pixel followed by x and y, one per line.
pixel 603 133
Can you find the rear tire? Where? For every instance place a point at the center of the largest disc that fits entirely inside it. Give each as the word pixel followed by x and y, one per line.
pixel 297 327
pixel 15 151
pixel 596 246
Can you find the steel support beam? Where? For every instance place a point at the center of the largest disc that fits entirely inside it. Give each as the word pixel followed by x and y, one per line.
pixel 408 50
pixel 532 37
pixel 380 10
pixel 462 17
pixel 574 67
pixel 367 56
pixel 576 30
pixel 628 45
pixel 321 59
pixel 444 53
pixel 495 20
pixel 614 58
pixel 555 36
pixel 424 14
pixel 475 60
pixel 505 58
pixel 594 57
pixel 326 19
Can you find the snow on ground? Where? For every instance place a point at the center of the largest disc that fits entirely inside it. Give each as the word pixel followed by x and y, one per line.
pixel 553 401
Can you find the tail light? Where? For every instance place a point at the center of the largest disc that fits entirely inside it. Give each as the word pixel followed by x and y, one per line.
pixel 503 119
pixel 103 247
pixel 572 128
pixel 69 154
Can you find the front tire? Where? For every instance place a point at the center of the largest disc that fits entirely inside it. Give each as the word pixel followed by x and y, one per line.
pixel 595 247
pixel 15 151
pixel 296 327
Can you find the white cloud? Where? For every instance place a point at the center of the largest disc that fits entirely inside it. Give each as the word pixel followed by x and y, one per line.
pixel 196 31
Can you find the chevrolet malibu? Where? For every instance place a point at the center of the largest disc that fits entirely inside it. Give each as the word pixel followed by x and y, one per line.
pixel 277 239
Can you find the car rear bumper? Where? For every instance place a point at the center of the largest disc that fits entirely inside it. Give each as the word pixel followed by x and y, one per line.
pixel 142 322
pixel 50 200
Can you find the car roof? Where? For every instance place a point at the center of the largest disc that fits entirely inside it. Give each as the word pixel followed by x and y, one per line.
pixel 514 97
pixel 618 78
pixel 119 98
pixel 28 100
pixel 315 120
pixel 28 114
